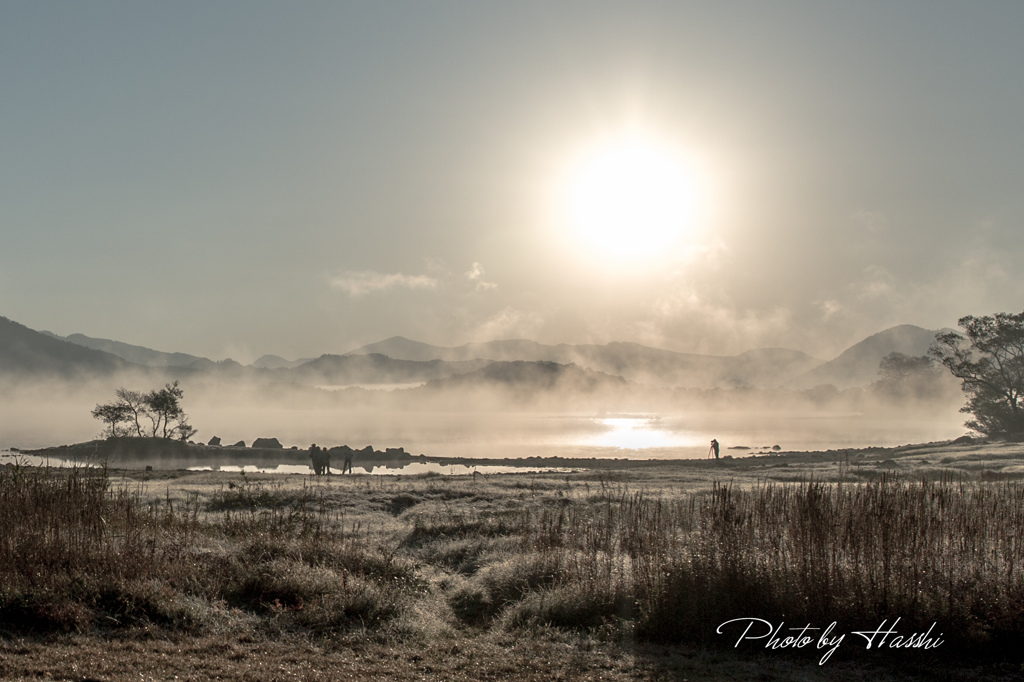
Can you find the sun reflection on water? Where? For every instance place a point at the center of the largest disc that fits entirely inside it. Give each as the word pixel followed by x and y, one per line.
pixel 638 433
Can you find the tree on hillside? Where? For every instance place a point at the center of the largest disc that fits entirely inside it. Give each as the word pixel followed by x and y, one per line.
pixel 905 377
pixel 988 358
pixel 898 370
pixel 127 416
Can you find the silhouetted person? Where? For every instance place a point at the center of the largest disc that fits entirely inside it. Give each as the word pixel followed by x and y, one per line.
pixel 347 464
pixel 714 447
pixel 314 459
pixel 321 460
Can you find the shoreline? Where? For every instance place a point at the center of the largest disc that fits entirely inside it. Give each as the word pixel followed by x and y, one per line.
pixel 126 452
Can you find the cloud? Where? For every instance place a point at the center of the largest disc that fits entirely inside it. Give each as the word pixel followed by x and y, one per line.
pixel 876 283
pixel 871 221
pixel 476 276
pixel 829 308
pixel 686 318
pixel 358 283
pixel 509 323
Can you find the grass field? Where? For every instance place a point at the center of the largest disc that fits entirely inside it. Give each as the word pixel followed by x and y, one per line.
pixel 622 573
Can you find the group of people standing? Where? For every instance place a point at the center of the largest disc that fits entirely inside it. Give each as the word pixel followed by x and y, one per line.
pixel 321 460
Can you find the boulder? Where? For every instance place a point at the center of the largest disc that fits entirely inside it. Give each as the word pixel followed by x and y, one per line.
pixel 214 441
pixel 239 444
pixel 271 443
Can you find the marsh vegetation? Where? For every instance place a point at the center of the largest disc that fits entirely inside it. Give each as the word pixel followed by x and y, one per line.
pixel 620 559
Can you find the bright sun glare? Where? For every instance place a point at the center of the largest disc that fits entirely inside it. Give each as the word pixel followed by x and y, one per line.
pixel 631 200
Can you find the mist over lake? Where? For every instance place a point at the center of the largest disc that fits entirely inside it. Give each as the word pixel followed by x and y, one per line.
pixel 645 436
pixel 610 401
pixel 516 435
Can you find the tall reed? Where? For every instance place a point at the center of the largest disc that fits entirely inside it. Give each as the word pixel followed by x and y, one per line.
pixel 941 551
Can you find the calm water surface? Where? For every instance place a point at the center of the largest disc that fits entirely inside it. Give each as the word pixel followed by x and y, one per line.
pixel 634 436
pixel 642 436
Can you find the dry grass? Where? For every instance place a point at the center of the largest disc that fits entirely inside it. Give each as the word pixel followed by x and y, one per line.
pixel 597 566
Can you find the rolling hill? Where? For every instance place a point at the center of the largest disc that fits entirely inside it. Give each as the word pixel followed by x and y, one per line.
pixel 858 364
pixel 277 362
pixel 27 353
pixel 139 355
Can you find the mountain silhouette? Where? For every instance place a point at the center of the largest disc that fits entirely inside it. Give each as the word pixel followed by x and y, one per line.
pixel 766 367
pixel 139 355
pixel 375 368
pixel 522 384
pixel 399 360
pixel 28 353
pixel 532 376
pixel 858 364
pixel 277 362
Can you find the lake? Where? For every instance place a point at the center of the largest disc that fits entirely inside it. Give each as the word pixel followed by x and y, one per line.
pixel 500 435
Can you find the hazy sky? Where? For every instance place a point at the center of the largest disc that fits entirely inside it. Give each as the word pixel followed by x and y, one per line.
pixel 241 178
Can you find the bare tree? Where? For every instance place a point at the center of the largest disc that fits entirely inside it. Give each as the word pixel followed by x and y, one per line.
pixel 116 416
pixel 162 409
pixel 165 411
pixel 134 402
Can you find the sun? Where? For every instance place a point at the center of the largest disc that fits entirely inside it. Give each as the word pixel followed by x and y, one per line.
pixel 630 201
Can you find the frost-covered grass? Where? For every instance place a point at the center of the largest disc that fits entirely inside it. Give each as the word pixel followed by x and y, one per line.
pixel 630 558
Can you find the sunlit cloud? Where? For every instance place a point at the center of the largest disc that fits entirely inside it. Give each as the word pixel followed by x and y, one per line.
pixel 476 275
pixel 708 256
pixel 687 318
pixel 877 282
pixel 509 323
pixel 359 283
pixel 829 308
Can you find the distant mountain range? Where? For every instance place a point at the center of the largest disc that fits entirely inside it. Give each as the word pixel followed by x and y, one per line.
pixel 136 354
pixel 519 384
pixel 340 370
pixel 277 362
pixel 27 353
pixel 764 367
pixel 539 375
